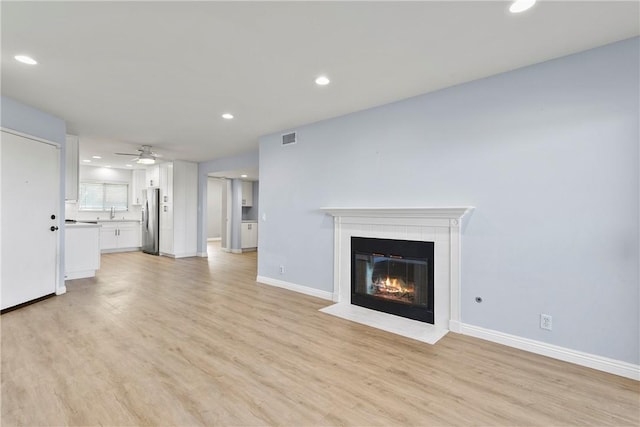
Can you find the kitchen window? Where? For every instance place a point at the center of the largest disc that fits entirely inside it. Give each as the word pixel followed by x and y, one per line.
pixel 102 196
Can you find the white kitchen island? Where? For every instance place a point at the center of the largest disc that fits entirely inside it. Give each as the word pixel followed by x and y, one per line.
pixel 82 250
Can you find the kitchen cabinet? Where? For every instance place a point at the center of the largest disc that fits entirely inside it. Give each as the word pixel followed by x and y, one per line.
pixel 120 236
pixel 82 250
pixel 247 194
pixel 166 209
pixel 178 209
pixel 137 185
pixel 249 235
pixel 166 183
pixel 153 176
pixel 71 167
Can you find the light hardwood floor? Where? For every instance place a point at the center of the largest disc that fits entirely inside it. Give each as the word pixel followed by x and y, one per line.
pixel 157 341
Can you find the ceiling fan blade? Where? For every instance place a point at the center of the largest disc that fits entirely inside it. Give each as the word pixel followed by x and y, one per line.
pixel 127 154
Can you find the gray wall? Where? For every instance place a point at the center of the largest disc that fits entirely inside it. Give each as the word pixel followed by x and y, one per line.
pixel 548 155
pixel 23 118
pixel 26 119
pixel 214 207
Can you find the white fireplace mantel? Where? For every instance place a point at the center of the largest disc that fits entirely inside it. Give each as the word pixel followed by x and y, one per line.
pixel 456 212
pixel 441 225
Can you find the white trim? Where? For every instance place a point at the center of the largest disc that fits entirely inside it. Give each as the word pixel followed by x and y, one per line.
pixel 294 287
pixel 182 255
pixel 409 328
pixel 441 225
pixel 117 250
pixel 214 239
pixel 202 254
pixel 61 290
pixel 236 251
pixel 80 275
pixel 421 212
pixel 605 364
pixel 29 136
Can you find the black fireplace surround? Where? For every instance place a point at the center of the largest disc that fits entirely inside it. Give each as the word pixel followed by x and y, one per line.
pixel 393 276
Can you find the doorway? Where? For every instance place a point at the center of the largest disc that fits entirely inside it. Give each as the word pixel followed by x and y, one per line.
pixel 218 219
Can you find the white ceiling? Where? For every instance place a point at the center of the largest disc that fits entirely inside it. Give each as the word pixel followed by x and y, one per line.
pixel 124 74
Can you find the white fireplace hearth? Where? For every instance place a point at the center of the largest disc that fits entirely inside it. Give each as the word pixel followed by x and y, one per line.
pixel 440 225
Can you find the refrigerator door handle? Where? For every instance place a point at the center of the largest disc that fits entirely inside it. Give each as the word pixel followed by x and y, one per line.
pixel 146 217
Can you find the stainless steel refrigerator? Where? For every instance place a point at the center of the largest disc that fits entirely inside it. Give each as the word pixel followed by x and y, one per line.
pixel 151 221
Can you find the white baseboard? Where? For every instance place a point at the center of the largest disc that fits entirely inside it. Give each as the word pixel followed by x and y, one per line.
pixel 600 363
pixel 185 255
pixel 294 287
pixel 117 250
pixel 182 255
pixel 80 274
pixel 61 290
pixel 236 251
pixel 605 364
pixel 214 239
pixel 202 254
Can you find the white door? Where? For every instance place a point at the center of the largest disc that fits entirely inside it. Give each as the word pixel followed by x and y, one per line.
pixel 30 199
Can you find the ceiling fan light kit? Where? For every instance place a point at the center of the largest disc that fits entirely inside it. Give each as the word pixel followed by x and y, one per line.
pixel 144 157
pixel 145 161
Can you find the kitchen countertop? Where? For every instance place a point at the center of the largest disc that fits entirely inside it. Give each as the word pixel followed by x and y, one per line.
pixel 118 220
pixel 81 225
pixel 98 222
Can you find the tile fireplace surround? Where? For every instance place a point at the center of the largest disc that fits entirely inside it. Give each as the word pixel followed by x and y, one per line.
pixel 439 225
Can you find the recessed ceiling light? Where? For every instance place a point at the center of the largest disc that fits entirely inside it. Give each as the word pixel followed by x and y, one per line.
pixel 26 59
pixel 96 157
pixel 227 116
pixel 87 161
pixel 521 5
pixel 322 81
pixel 243 175
pixel 129 166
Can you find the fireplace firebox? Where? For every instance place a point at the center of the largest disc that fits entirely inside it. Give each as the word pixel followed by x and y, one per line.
pixel 393 276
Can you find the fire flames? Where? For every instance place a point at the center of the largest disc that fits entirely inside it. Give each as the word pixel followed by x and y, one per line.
pixel 394 288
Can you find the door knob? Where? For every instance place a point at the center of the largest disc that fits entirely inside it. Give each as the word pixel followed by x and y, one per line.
pixel 53 217
pixel 53 228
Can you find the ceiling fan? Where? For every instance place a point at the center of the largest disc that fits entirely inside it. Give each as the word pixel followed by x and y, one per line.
pixel 144 156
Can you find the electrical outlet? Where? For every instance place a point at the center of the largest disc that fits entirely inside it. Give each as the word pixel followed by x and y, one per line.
pixel 546 322
pixel 282 269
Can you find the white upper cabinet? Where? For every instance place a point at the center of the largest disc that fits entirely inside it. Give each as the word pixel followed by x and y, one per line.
pixel 153 176
pixel 71 168
pixel 247 193
pixel 166 183
pixel 137 185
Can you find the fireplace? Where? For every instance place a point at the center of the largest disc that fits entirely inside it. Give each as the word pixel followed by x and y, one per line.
pixel 393 276
pixel 441 226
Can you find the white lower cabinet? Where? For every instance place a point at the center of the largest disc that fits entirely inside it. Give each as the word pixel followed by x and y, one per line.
pixel 120 236
pixel 82 250
pixel 249 235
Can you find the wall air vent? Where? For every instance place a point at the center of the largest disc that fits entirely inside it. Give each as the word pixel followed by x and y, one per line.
pixel 289 138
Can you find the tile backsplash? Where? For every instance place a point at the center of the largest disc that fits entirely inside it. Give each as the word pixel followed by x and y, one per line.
pixel 71 212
